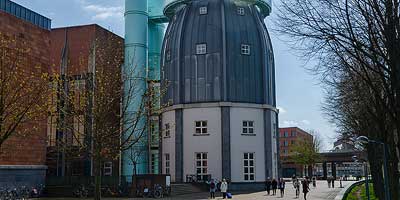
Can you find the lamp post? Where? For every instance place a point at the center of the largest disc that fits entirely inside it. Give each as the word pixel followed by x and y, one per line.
pixel 366 140
pixel 356 159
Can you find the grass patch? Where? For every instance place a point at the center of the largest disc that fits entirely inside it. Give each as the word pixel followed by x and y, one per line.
pixel 359 192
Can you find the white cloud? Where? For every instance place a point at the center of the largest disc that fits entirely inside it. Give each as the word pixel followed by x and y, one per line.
pixel 281 110
pixel 101 12
pixel 290 123
pixel 306 122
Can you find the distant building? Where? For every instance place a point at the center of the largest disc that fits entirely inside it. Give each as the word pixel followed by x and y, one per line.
pixel 287 138
pixel 75 58
pixel 22 158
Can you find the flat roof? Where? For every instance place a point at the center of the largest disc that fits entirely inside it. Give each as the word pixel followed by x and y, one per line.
pixel 25 14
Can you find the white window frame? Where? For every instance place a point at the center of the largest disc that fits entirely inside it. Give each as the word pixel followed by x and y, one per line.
pixel 201 127
pixel 107 168
pixel 203 10
pixel 167 127
pixel 201 49
pixel 240 11
pixel 248 127
pixel 248 158
pixel 167 163
pixel 203 166
pixel 245 49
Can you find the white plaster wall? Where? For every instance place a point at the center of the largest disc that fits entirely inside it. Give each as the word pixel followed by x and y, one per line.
pixel 241 143
pixel 168 144
pixel 210 143
pixel 274 144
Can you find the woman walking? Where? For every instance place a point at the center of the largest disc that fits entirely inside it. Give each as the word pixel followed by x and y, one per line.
pixel 306 188
pixel 274 186
pixel 296 184
pixel 224 188
pixel 281 186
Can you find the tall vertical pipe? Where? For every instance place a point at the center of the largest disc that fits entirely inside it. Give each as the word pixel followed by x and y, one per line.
pixel 156 35
pixel 135 69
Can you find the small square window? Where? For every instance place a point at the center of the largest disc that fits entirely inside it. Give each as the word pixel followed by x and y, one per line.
pixel 245 49
pixel 248 127
pixel 167 130
pixel 203 10
pixel 201 49
pixel 240 11
pixel 168 56
pixel 200 127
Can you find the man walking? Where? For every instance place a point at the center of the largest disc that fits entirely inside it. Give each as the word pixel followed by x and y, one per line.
pixel 268 185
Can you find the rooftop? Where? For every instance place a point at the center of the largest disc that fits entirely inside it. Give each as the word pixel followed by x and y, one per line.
pixel 25 14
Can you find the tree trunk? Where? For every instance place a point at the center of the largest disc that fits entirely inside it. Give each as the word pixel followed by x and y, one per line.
pixel 376 164
pixel 97 177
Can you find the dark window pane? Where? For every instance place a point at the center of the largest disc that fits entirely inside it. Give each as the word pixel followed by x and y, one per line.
pixel 204 130
pixel 252 177
pixel 198 155
pixel 246 156
pixel 204 156
pixel 251 130
pixel 198 130
pixel 244 123
pixel 198 170
pixel 246 170
pixel 246 163
pixel 198 163
pixel 244 130
pixel 252 170
pixel 205 163
pixel 251 163
pixel 246 177
pixel 204 123
pixel 198 124
pixel 250 123
pixel 251 156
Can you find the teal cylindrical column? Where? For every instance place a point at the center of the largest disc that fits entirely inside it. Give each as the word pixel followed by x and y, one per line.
pixel 135 159
pixel 156 35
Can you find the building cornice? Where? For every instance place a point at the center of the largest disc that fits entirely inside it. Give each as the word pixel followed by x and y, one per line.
pixel 220 104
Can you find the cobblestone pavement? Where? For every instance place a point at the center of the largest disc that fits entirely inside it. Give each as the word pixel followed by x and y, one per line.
pixel 321 192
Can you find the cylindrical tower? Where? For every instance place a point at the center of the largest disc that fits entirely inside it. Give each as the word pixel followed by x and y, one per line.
pixel 135 72
pixel 217 64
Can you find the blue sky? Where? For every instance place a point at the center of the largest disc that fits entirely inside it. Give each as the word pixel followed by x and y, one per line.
pixel 299 94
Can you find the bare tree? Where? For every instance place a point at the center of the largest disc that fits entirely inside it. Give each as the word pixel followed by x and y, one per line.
pixel 357 45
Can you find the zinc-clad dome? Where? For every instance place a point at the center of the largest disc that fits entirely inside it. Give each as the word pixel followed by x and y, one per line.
pixel 218 51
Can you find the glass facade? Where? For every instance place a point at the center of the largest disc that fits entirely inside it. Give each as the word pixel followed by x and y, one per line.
pixel 25 14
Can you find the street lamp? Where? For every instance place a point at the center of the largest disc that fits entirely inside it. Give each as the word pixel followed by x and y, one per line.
pixel 366 140
pixel 356 159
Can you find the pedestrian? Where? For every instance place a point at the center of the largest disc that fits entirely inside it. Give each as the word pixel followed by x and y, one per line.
pixel 268 185
pixel 274 186
pixel 224 188
pixel 296 185
pixel 213 188
pixel 333 182
pixel 340 181
pixel 329 181
pixel 306 188
pixel 281 186
pixel 314 181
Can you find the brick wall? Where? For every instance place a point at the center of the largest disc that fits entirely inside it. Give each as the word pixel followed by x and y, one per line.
pixel 29 149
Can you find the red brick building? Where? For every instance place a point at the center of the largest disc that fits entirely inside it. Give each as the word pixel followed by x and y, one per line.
pixel 75 56
pixel 23 154
pixel 287 138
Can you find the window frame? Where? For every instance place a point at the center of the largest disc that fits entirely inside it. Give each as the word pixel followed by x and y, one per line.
pixel 240 11
pixel 202 129
pixel 201 49
pixel 249 174
pixel 203 168
pixel 203 10
pixel 248 129
pixel 167 163
pixel 167 132
pixel 110 167
pixel 245 49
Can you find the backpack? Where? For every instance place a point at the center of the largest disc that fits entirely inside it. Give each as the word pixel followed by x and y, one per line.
pixel 212 185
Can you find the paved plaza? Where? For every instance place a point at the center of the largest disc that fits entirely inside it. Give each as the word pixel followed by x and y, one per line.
pixel 321 192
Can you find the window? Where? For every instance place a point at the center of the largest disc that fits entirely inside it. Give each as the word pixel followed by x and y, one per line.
pixel 153 163
pixel 245 49
pixel 201 49
pixel 200 127
pixel 201 166
pixel 285 134
pixel 293 134
pixel 248 167
pixel 107 169
pixel 292 142
pixel 203 10
pixel 240 11
pixel 248 127
pixel 168 56
pixel 285 143
pixel 167 130
pixel 79 131
pixel 167 163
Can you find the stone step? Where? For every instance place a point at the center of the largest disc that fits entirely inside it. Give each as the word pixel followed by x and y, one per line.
pixel 184 189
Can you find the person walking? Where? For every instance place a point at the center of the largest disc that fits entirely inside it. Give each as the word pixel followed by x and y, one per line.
pixel 296 184
pixel 306 188
pixel 224 188
pixel 314 181
pixel 213 188
pixel 333 182
pixel 268 185
pixel 281 186
pixel 274 186
pixel 328 179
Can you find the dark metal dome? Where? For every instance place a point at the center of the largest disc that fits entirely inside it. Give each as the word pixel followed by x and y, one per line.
pixel 218 51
